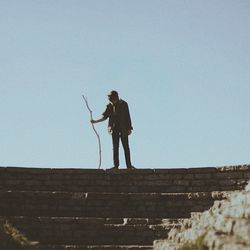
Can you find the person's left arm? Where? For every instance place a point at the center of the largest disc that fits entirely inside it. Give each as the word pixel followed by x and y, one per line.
pixel 130 128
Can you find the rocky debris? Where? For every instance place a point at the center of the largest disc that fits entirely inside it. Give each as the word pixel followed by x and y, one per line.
pixel 225 226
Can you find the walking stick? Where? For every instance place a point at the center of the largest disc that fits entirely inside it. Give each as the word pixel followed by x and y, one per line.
pixel 98 137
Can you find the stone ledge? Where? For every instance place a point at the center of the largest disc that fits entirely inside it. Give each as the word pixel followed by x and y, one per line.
pixel 32 170
pixel 21 195
pixel 140 180
pixel 149 205
pixel 95 220
pixel 67 231
pixel 93 247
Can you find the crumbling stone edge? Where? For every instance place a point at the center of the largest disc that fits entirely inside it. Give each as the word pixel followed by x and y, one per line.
pixel 226 225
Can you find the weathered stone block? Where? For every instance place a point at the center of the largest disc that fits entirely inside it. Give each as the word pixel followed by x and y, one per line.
pixel 202 170
pixel 197 183
pixel 203 176
pixel 228 182
pixel 188 176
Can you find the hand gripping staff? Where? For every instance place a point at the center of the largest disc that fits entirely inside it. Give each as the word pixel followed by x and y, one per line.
pixel 98 137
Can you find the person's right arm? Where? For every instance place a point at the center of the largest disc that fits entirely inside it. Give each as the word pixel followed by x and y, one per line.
pixel 105 115
pixel 99 120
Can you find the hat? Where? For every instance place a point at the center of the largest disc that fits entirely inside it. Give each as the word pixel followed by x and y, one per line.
pixel 113 93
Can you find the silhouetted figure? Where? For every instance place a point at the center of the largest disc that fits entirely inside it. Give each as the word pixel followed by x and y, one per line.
pixel 119 126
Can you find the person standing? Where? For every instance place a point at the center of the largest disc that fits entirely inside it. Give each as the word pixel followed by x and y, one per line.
pixel 119 126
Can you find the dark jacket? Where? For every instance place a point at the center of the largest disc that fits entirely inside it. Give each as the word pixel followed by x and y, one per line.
pixel 119 117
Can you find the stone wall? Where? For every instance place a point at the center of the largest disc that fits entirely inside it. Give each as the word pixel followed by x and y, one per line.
pixel 141 180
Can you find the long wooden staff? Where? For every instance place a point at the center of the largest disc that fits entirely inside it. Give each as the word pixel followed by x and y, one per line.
pixel 98 137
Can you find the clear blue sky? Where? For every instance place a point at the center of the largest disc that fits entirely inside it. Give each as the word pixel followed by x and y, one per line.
pixel 183 67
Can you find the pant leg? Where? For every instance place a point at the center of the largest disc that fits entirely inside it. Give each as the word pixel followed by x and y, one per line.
pixel 115 139
pixel 125 144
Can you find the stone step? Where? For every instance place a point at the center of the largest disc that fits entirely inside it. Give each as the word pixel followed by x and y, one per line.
pixel 145 205
pixel 89 231
pixel 139 180
pixel 93 247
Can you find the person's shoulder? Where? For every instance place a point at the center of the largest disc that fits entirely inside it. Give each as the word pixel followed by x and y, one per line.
pixel 122 102
pixel 109 105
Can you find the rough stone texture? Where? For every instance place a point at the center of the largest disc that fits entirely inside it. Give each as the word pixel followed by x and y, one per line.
pixel 105 247
pixel 225 226
pixel 138 181
pixel 126 205
pixel 102 209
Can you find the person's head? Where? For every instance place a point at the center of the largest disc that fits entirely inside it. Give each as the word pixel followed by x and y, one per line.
pixel 113 96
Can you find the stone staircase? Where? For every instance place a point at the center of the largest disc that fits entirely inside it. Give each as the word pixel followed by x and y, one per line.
pixel 102 209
